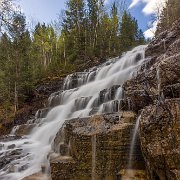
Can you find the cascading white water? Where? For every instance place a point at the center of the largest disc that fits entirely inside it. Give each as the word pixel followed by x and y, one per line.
pixel 129 174
pixel 87 97
pixel 133 142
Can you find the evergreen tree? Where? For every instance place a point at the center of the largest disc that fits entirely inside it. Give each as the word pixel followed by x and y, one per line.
pixel 170 13
pixel 89 32
pixel 93 21
pixel 115 29
pixel 26 66
pixel 73 28
pixel 130 35
pixel 5 52
pixel 19 64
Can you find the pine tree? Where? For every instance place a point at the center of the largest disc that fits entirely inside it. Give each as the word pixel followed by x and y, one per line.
pixel 130 34
pixel 170 13
pixel 19 64
pixel 26 67
pixel 115 29
pixel 93 21
pixel 5 51
pixel 73 28
pixel 105 36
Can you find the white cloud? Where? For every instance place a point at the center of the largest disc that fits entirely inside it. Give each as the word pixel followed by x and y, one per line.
pixel 151 7
pixel 151 31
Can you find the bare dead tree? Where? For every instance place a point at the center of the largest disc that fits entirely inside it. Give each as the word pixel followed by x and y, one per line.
pixel 7 11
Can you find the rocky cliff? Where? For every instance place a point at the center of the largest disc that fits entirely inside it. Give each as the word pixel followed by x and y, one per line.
pixel 98 147
pixel 156 92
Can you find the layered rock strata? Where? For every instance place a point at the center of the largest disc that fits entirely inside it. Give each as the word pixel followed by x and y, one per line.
pixel 156 92
pixel 95 148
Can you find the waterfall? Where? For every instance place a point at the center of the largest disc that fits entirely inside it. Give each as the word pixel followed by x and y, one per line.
pixel 133 142
pixel 129 172
pixel 98 90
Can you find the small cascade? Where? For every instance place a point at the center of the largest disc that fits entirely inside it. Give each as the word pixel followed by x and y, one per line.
pixel 97 90
pixel 110 107
pixel 41 113
pixel 55 99
pixel 15 128
pixel 119 93
pixel 78 79
pixel 81 103
pixel 133 143
pixel 93 141
pixel 160 92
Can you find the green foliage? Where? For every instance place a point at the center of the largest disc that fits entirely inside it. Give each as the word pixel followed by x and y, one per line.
pixel 169 15
pixel 88 31
pixel 130 35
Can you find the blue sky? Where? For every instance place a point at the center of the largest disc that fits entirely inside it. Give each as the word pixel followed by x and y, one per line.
pixel 41 10
pixel 48 10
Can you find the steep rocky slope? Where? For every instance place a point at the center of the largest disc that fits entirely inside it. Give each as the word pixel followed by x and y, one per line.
pixel 158 88
pixel 97 148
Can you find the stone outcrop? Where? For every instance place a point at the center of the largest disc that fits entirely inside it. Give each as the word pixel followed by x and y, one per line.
pixel 10 155
pixel 98 147
pixel 156 92
pixel 160 139
pixel 95 148
pixel 161 73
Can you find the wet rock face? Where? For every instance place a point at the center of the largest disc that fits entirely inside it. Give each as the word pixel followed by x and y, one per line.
pixel 156 92
pixel 161 43
pixel 163 76
pixel 161 73
pixel 98 147
pixel 5 159
pixel 159 127
pixel 107 94
pixel 160 139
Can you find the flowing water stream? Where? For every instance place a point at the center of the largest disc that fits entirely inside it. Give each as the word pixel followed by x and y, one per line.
pixel 98 90
pixel 133 142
